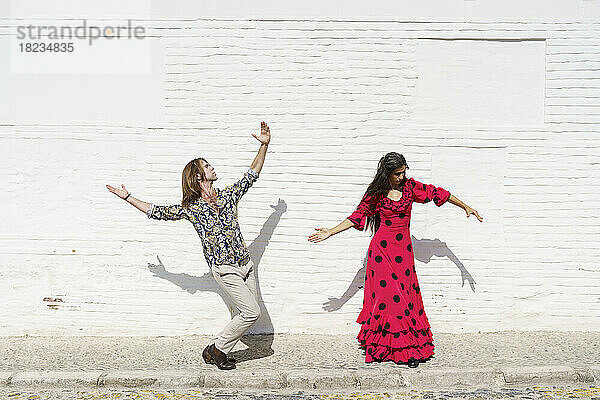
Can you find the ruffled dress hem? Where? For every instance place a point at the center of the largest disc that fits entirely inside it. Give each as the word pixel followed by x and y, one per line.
pixel 397 346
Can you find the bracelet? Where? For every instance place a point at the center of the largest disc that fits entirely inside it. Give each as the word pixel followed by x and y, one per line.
pixel 126 197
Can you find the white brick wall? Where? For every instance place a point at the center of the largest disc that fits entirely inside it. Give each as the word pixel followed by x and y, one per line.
pixel 337 94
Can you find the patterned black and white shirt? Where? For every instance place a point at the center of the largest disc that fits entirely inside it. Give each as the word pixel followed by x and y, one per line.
pixel 219 232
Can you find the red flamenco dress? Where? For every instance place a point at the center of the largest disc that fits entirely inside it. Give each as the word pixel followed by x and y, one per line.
pixel 394 325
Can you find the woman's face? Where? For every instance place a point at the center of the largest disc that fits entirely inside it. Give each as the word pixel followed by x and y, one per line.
pixel 209 172
pixel 396 176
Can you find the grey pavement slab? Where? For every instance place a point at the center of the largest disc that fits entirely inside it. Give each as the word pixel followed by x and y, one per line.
pixel 5 377
pixel 322 379
pixel 55 378
pixel 544 373
pixel 261 379
pixel 164 378
pixel 454 377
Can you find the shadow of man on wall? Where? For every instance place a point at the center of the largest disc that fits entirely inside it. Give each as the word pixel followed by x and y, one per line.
pixel 260 336
pixel 423 250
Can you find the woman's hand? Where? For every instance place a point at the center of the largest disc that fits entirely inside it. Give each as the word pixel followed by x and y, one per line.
pixel 122 193
pixel 470 211
pixel 265 133
pixel 322 234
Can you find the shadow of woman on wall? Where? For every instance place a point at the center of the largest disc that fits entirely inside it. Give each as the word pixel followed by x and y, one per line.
pixel 424 250
pixel 260 339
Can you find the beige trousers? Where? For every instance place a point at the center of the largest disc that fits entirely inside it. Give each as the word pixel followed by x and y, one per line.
pixel 239 283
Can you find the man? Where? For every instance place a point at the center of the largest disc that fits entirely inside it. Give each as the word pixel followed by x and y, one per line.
pixel 213 212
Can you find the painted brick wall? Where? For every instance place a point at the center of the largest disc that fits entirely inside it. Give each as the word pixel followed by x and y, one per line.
pixel 338 94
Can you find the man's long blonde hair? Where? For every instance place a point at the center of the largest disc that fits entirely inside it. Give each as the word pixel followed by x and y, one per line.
pixel 189 182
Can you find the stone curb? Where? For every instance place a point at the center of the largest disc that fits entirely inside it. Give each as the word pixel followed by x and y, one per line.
pixel 261 379
pixel 455 377
pixel 306 379
pixel 54 378
pixel 163 378
pixel 549 373
pixel 5 378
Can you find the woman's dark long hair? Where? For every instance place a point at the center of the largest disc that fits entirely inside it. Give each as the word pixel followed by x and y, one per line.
pixel 381 184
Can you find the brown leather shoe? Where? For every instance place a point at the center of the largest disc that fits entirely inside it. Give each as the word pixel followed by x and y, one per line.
pixel 206 356
pixel 212 355
pixel 208 359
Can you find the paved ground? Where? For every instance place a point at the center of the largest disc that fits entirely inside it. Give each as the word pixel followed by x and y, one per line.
pixel 299 362
pixel 511 349
pixel 546 393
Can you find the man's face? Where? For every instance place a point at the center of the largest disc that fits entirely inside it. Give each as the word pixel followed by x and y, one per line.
pixel 209 172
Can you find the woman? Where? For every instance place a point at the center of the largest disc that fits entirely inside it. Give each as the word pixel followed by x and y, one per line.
pixel 394 325
pixel 213 212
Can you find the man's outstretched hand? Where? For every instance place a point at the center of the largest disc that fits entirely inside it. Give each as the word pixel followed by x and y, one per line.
pixel 265 133
pixel 122 192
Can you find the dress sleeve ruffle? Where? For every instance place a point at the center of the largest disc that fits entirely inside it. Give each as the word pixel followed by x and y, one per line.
pixel 367 207
pixel 424 193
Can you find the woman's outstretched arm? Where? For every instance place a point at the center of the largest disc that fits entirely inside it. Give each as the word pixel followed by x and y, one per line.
pixel 366 208
pixel 456 201
pixel 123 193
pixel 324 233
pixel 264 138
